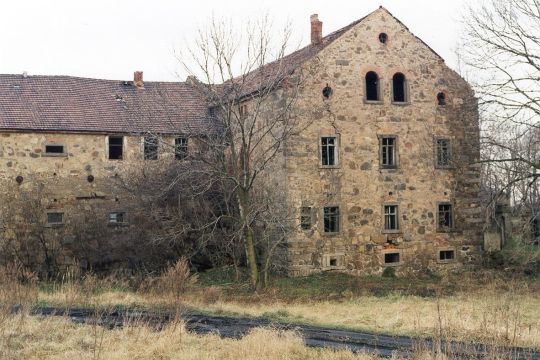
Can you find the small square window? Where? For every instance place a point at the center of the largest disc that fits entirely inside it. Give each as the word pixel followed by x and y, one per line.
pixel 446 255
pixel 392 258
pixel 305 218
pixel 151 146
pixel 116 147
pixel 55 218
pixel 117 218
pixel 328 151
pixel 331 219
pixel 445 217
pixel 391 220
pixel 180 148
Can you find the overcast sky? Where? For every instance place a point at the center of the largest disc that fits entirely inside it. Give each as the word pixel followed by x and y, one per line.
pixel 111 39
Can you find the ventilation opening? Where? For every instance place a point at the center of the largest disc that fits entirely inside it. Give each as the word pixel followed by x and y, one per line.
pixel 446 255
pixel 372 86
pixel 399 87
pixel 54 149
pixel 327 92
pixel 391 258
pixel 441 99
pixel 333 262
pixel 383 38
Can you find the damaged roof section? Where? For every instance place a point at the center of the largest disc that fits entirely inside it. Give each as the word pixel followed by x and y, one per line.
pixel 73 104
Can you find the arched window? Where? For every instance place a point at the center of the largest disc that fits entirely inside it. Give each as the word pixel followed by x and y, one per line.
pixel 372 86
pixel 399 88
pixel 441 99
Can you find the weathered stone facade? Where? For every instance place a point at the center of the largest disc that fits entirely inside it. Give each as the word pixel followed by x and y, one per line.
pixel 356 184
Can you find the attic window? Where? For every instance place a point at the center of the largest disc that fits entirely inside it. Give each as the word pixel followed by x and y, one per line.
pixel 441 99
pixel 383 38
pixel 327 92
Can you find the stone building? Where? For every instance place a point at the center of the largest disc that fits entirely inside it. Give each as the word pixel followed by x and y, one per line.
pixel 383 175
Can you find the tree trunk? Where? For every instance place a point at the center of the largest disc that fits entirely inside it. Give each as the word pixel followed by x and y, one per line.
pixel 248 237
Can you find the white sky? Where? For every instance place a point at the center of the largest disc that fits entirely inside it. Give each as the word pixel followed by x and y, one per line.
pixel 111 39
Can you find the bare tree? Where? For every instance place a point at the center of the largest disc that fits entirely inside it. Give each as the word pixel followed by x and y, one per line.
pixel 501 48
pixel 253 90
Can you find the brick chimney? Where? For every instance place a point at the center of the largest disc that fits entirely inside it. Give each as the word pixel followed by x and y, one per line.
pixel 316 30
pixel 138 79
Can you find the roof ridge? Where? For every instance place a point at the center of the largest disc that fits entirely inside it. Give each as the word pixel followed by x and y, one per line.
pixel 40 76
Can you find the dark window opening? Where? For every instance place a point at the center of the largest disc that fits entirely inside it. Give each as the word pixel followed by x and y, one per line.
pixel 151 145
pixel 445 217
pixel 328 151
pixel 116 147
pixel 54 149
pixel 180 148
pixel 333 262
pixel 391 217
pixel 372 86
pixel 327 92
pixel 391 258
pixel 331 219
pixel 305 218
pixel 383 38
pixel 117 218
pixel 445 255
pixel 243 111
pixel 55 218
pixel 398 86
pixel 443 152
pixel 441 99
pixel 536 227
pixel 388 152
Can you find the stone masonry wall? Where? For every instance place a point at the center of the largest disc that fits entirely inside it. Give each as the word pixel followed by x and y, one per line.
pixel 358 185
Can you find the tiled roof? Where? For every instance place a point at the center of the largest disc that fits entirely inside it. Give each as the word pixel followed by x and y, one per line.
pixel 267 75
pixel 64 103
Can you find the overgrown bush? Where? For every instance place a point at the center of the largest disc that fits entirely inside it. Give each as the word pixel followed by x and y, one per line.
pixel 517 255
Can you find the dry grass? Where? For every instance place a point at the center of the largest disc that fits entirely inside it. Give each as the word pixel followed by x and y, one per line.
pixel 25 337
pixel 488 315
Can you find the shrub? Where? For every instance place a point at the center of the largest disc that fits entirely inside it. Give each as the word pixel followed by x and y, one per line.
pixel 176 279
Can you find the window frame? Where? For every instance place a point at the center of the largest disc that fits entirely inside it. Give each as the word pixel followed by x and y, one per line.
pixel 146 140
pixel 49 154
pixel 178 146
pixel 379 89
pixel 336 164
pixel 436 140
pixel 446 261
pixel 397 230
pixel 452 219
pixel 305 216
pixel 123 145
pixel 338 222
pixel 395 152
pixel 392 251
pixel 406 93
pixel 55 224
pixel 122 223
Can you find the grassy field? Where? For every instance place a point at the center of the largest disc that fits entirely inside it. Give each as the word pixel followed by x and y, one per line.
pixel 480 307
